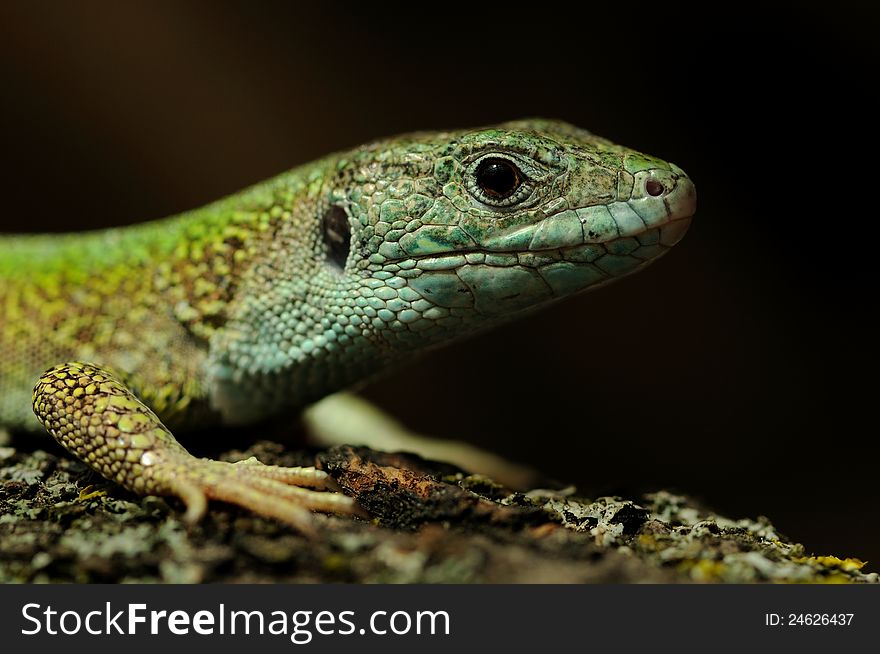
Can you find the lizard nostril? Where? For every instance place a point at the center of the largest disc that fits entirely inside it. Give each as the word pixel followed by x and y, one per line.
pixel 654 188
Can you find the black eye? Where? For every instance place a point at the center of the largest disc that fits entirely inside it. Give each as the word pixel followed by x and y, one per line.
pixel 337 235
pixel 498 178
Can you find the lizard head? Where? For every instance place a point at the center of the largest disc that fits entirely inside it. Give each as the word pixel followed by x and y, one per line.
pixel 462 229
pixel 410 242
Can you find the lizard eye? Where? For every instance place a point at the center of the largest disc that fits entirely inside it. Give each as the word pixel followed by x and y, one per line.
pixel 337 235
pixel 498 181
pixel 498 178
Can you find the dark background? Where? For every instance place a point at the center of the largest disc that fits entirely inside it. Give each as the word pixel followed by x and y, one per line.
pixel 740 368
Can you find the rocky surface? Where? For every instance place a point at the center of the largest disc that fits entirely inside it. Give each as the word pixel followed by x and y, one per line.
pixel 432 523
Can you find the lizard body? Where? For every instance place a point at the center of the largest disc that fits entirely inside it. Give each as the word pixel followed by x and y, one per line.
pixel 323 276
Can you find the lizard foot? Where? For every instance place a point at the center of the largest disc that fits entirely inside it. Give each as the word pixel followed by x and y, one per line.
pixel 93 415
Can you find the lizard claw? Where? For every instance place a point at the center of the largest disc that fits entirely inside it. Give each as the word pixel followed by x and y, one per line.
pixel 98 419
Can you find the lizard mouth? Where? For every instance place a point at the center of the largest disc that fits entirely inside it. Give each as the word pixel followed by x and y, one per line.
pixel 501 283
pixel 609 256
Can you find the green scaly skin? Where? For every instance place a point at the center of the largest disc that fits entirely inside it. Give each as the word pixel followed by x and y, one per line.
pixel 256 305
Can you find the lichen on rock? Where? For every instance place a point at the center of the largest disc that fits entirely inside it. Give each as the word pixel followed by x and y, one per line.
pixel 432 523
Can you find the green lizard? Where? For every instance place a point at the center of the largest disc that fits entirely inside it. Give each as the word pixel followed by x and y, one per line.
pixel 323 276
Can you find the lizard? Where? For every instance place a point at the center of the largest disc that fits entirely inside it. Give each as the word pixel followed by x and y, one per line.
pixel 258 304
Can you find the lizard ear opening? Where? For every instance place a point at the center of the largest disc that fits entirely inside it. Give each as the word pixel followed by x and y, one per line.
pixel 337 235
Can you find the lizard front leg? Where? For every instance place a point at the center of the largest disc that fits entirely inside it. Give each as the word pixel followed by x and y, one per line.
pixel 93 415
